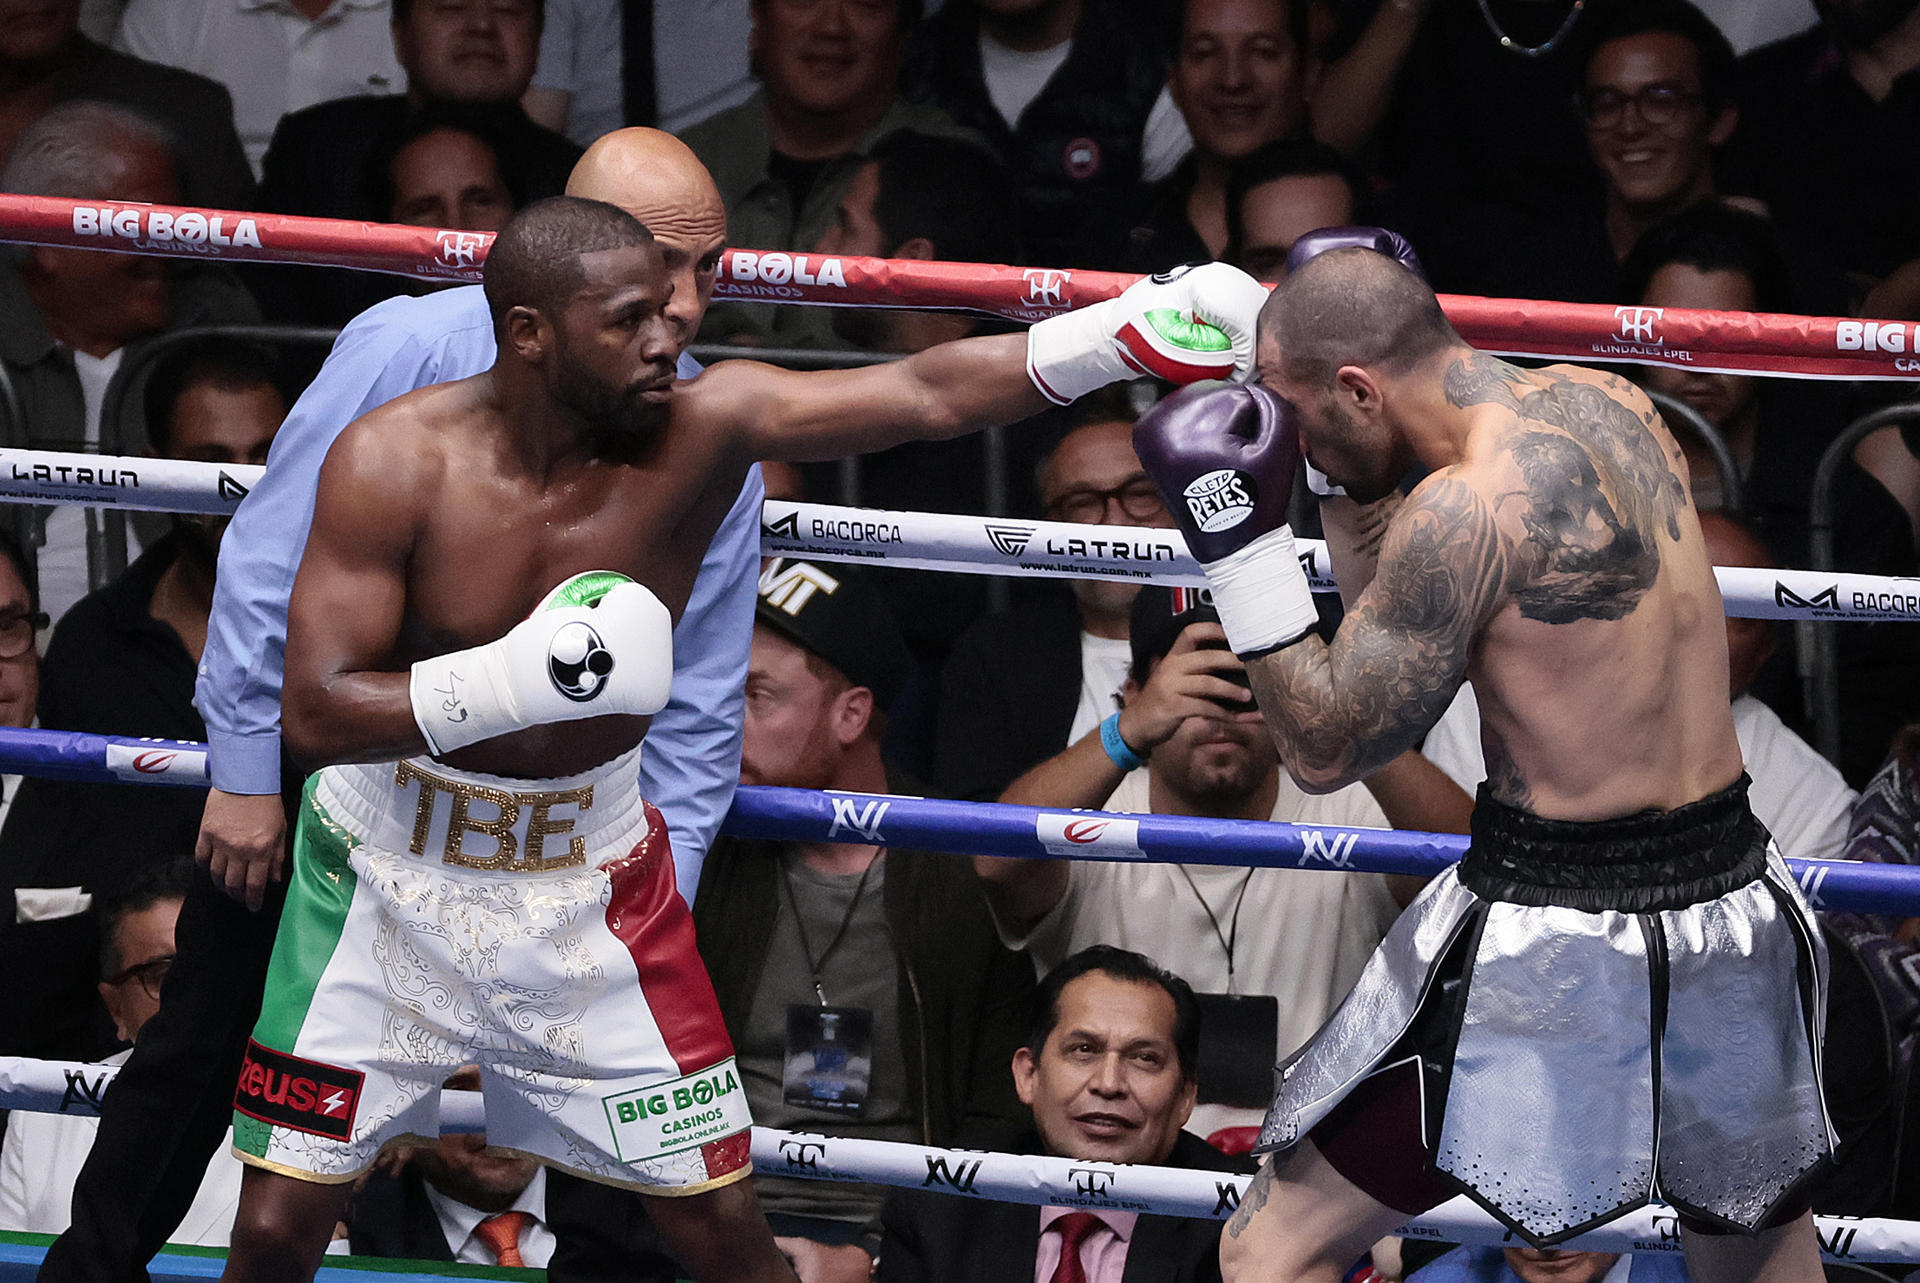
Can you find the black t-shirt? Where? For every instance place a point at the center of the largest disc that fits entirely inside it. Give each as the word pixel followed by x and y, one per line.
pixel 1839 171
pixel 1479 142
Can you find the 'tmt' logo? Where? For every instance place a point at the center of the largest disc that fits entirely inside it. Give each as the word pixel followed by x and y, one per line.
pixel 1046 286
pixel 1640 325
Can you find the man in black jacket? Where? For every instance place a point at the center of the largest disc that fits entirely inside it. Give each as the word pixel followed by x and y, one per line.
pixel 864 987
pixel 476 58
pixel 458 1201
pixel 1108 1072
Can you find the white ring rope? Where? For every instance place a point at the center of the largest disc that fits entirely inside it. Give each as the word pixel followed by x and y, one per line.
pixel 921 540
pixel 65 1087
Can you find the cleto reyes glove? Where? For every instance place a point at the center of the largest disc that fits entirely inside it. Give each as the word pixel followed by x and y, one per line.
pixel 1224 460
pixel 1186 325
pixel 599 643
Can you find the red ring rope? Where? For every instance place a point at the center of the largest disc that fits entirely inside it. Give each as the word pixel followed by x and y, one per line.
pixel 1743 342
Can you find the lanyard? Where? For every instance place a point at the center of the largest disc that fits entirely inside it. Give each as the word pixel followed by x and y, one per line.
pixel 1232 935
pixel 800 923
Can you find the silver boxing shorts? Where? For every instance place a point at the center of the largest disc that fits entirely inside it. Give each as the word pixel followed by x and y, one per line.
pixel 1601 1014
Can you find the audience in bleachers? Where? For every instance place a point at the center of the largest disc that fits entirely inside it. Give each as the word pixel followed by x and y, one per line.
pixel 1110 1072
pixel 1279 192
pixel 1239 77
pixel 70 318
pixel 829 93
pixel 1656 101
pixel 1064 90
pixel 1023 684
pixel 1612 152
pixel 45 61
pixel 1189 742
pixel 121 661
pixel 43 1152
pixel 864 988
pixel 271 58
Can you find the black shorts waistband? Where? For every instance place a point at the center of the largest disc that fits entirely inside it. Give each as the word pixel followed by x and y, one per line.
pixel 1643 863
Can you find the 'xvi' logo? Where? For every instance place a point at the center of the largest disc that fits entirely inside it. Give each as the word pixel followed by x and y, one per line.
pixel 850 816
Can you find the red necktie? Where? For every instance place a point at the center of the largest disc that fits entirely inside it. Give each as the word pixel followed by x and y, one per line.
pixel 501 1234
pixel 1074 1228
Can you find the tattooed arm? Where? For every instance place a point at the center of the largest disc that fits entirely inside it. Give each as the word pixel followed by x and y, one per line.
pixel 1343 711
pixel 1354 534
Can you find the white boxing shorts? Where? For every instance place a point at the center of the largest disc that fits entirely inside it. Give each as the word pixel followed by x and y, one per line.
pixel 438 918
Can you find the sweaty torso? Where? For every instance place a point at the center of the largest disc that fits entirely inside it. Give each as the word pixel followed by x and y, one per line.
pixel 494 535
pixel 1602 679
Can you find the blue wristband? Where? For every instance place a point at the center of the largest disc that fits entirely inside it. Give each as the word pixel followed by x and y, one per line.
pixel 1123 757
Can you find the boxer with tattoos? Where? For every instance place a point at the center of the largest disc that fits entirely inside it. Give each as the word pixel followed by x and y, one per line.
pixel 1618 993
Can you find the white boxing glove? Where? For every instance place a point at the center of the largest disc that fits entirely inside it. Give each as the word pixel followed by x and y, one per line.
pixel 1186 325
pixel 597 644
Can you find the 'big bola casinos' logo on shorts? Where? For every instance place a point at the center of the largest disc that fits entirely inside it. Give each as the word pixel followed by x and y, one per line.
pixel 682 1114
pixel 1221 499
pixel 303 1095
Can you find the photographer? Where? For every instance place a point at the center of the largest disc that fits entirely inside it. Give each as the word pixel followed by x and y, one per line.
pixel 1189 742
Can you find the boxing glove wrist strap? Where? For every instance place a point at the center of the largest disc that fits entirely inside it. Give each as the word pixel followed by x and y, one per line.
pixel 1074 353
pixel 1262 594
pixel 462 698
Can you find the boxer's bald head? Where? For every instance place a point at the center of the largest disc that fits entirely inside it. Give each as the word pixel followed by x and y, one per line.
pixel 1331 337
pixel 1351 307
pixel 657 178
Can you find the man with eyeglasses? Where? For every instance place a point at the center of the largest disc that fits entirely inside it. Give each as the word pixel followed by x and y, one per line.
pixel 43 1152
pixel 1023 684
pixel 1656 104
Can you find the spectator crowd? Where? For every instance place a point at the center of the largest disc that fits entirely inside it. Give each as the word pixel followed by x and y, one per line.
pixel 1744 155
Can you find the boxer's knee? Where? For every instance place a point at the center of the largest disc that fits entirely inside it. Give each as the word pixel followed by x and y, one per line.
pixel 282 1227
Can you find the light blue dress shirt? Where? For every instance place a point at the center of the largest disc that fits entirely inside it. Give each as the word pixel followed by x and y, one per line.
pixel 692 758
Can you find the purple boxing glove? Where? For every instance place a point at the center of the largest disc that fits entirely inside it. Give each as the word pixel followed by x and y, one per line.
pixel 1224 460
pixel 1377 239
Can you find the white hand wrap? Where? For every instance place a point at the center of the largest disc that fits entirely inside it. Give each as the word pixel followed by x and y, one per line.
pixel 1075 353
pixel 560 664
pixel 1262 594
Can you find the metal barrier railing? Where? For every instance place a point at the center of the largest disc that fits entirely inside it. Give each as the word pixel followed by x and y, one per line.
pixel 1824 671
pixel 1732 492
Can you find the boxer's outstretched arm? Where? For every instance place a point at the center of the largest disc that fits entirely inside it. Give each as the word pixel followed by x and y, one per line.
pixel 1342 711
pixel 945 391
pixel 349 599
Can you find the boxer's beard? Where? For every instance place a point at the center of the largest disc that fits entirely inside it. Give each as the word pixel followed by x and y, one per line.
pixel 611 413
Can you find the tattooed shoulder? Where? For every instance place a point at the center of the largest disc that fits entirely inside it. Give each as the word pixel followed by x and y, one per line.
pixel 1479 379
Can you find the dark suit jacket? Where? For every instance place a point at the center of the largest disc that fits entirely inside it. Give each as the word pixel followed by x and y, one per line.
pixel 949 1238
pixel 604 1234
pixel 1007 698
pixel 195 111
pixel 317 165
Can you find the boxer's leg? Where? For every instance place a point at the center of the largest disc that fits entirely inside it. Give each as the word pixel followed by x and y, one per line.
pixel 721 1234
pixel 281 1232
pixel 1301 1222
pixel 1787 1253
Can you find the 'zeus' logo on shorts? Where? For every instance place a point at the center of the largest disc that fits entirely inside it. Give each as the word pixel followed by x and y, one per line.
pixel 578 661
pixel 301 1095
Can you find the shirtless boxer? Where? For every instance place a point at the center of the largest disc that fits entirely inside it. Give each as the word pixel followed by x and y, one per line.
pixel 492 888
pixel 1618 992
